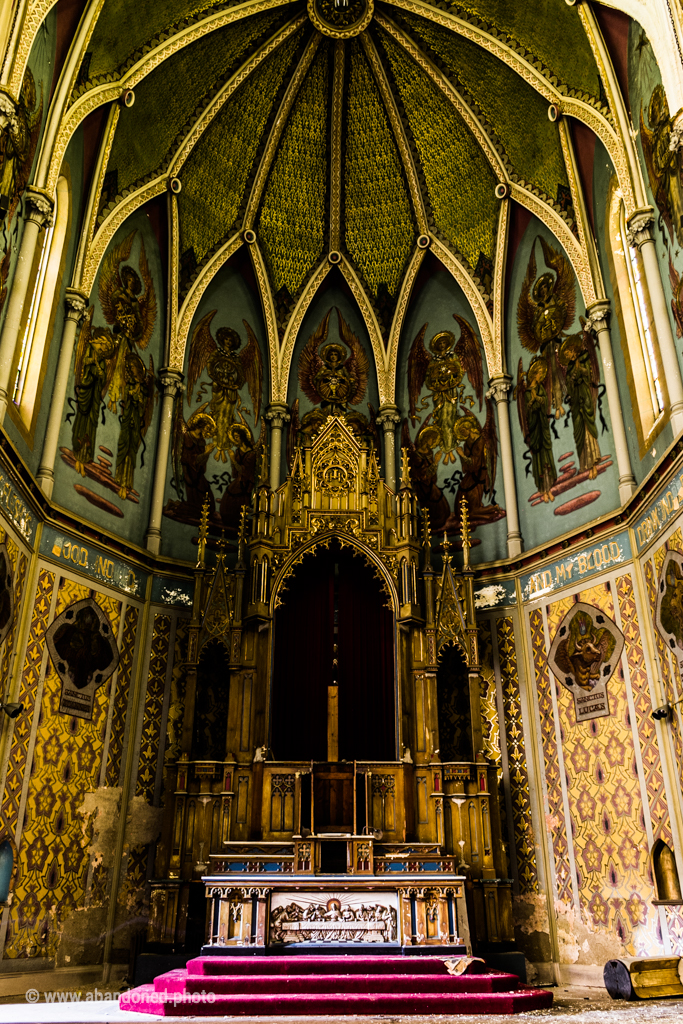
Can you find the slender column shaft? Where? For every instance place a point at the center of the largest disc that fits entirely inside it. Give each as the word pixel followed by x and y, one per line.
pixel 389 418
pixel 598 322
pixel 171 381
pixel 277 415
pixel 640 234
pixel 498 389
pixel 39 207
pixel 75 303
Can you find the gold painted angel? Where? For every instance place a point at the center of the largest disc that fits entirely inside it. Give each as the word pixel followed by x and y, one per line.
pixel 108 363
pixel 443 372
pixel 328 375
pixel 663 164
pixel 18 139
pixel 545 311
pixel 229 370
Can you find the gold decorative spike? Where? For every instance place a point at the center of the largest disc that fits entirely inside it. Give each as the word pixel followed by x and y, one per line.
pixel 465 533
pixel 405 470
pixel 446 548
pixel 203 533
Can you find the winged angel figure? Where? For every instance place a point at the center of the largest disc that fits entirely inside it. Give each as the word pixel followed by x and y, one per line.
pixel 663 163
pixel 108 364
pixel 562 365
pixel 332 378
pixel 451 430
pixel 218 425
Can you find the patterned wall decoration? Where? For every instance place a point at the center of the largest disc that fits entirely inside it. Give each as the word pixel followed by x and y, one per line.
pixel 154 701
pixel 118 720
pixel 602 784
pixel 53 847
pixel 18 563
pixel 522 829
pixel 84 654
pixel 584 655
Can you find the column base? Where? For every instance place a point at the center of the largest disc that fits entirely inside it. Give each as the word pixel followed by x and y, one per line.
pixel 153 541
pixel 627 488
pixel 46 482
pixel 515 545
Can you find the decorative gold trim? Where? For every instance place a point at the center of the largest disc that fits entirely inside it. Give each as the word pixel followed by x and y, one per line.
pixel 579 109
pixel 399 133
pixel 277 129
pixel 498 296
pixel 269 316
pixel 90 220
pixel 582 223
pixel 552 220
pixel 279 384
pixel 399 315
pixel 193 298
pixel 384 383
pixel 343 32
pixel 451 94
pixel 25 31
pixel 477 304
pixel 109 91
pixel 336 146
pixel 173 275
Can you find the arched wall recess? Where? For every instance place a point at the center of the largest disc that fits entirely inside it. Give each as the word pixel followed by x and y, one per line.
pixel 476 300
pixel 60 127
pixel 119 214
pixel 289 340
pixel 194 296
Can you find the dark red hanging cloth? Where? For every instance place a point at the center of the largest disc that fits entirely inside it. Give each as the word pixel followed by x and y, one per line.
pixel 304 638
pixel 366 665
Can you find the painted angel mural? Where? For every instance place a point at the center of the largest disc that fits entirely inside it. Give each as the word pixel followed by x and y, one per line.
pixel 451 433
pixel 19 131
pixel 109 367
pixel 334 377
pixel 533 407
pixel 217 430
pixel 663 164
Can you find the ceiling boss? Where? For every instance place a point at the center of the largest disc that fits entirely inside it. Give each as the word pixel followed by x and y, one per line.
pixel 341 19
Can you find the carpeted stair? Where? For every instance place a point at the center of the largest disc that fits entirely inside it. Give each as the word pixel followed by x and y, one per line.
pixel 317 985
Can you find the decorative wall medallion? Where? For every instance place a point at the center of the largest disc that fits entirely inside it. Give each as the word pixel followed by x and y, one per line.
pixel 669 611
pixel 6 593
pixel 340 19
pixel 333 917
pixel 84 652
pixel 584 656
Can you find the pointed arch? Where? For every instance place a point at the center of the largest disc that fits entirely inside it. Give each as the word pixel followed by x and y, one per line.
pixel 194 296
pixel 477 304
pixel 286 350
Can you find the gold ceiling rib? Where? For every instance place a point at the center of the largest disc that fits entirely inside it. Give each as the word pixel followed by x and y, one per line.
pixel 336 146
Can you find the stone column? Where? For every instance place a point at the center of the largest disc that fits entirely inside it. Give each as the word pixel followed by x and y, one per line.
pixel 498 390
pixel 39 206
pixel 598 323
pixel 640 234
pixel 277 415
pixel 171 382
pixel 389 418
pixel 75 303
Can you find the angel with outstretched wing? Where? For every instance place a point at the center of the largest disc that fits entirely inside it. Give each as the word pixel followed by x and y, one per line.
pixel 533 407
pixel 229 369
pixel 478 451
pixel 19 133
pixel 578 358
pixel 94 362
pixel 328 375
pixel 442 370
pixel 663 164
pixel 676 282
pixel 545 311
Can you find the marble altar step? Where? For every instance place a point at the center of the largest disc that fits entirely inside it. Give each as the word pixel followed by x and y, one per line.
pixel 275 986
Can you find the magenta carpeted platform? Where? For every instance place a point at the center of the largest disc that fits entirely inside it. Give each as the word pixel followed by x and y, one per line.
pixel 273 985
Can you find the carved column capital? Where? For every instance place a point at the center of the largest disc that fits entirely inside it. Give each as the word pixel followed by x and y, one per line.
pixel 499 387
pixel 388 417
pixel 639 226
pixel 76 304
pixel 40 205
pixel 598 316
pixel 170 381
pixel 277 414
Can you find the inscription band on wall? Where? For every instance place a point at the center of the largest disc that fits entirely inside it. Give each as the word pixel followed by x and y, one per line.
pixel 93 562
pixel 576 567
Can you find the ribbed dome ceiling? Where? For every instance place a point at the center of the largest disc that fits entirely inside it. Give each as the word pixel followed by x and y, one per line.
pixel 358 145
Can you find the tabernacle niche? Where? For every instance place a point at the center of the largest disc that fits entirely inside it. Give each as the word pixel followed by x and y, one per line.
pixel 453 702
pixel 211 705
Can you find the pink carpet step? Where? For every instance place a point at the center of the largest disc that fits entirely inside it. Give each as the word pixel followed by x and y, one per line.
pixel 145 999
pixel 336 984
pixel 206 966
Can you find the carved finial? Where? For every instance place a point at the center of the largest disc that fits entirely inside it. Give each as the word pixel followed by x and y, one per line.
pixel 203 532
pixel 426 539
pixel 446 547
pixel 405 470
pixel 465 532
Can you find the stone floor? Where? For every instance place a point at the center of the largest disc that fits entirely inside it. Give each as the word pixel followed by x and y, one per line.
pixel 581 1005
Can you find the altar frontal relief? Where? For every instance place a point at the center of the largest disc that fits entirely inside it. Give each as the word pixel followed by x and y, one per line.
pixel 333 917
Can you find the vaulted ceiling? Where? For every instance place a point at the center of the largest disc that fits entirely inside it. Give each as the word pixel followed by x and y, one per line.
pixel 362 130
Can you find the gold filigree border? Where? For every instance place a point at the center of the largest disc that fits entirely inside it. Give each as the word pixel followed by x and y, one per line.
pixel 384 384
pixel 269 317
pixel 499 279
